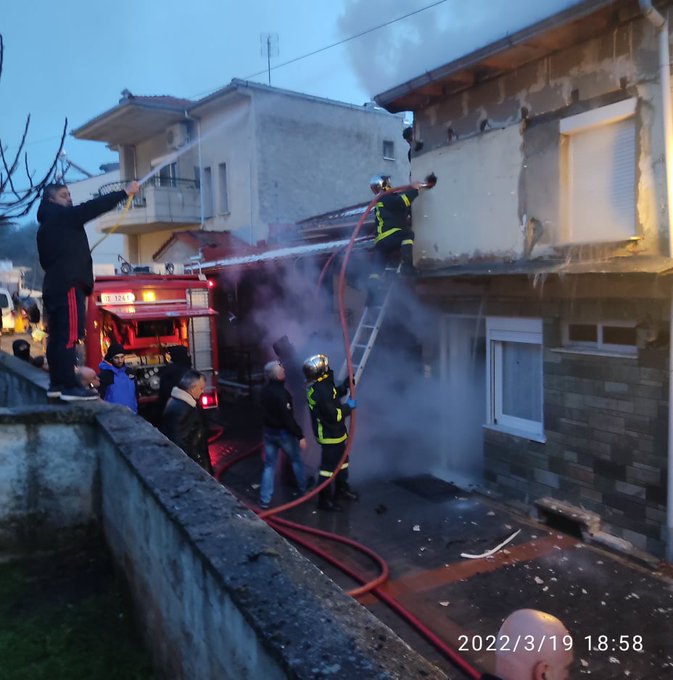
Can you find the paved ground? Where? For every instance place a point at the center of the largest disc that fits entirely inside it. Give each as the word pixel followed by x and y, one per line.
pixel 421 527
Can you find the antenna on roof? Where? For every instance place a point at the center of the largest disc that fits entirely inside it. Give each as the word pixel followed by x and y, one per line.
pixel 269 45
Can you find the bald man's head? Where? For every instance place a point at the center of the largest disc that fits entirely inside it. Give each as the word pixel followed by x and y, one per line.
pixel 540 647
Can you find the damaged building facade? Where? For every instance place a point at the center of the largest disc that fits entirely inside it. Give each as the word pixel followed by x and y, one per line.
pixel 545 252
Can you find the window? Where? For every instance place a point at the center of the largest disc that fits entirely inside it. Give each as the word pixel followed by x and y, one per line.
pixel 613 337
pixel 388 150
pixel 207 189
pixel 514 376
pixel 598 150
pixel 167 176
pixel 222 184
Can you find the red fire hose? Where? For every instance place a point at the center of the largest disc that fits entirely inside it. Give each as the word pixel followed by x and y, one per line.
pixel 291 529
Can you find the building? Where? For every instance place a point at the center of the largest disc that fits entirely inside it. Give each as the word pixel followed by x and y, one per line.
pixel 248 159
pixel 546 255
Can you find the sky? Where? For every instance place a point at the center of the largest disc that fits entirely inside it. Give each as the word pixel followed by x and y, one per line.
pixel 72 59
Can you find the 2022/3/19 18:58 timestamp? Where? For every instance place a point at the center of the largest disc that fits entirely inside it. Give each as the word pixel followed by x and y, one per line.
pixel 614 643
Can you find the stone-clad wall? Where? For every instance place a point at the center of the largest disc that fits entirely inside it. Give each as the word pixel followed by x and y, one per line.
pixel 605 421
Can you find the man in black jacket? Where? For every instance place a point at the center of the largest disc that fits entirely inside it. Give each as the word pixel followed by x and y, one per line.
pixel 281 431
pixel 64 254
pixel 183 422
pixel 328 417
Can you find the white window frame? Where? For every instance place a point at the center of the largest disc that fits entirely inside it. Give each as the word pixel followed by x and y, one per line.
pixel 583 122
pixel 598 347
pixel 506 329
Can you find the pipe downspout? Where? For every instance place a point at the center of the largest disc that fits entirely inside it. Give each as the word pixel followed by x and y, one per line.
pixel 661 25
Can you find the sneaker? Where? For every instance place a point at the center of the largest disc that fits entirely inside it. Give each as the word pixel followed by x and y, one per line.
pixel 54 391
pixel 263 505
pixel 79 394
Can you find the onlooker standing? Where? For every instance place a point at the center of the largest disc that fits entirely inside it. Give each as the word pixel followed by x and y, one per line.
pixel 117 385
pixel 64 254
pixel 172 372
pixel 183 422
pixel 281 431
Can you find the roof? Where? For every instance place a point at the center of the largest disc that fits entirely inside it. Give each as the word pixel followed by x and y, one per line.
pixel 138 117
pixel 636 264
pixel 274 255
pixel 345 219
pixel 571 26
pixel 135 118
pixel 212 244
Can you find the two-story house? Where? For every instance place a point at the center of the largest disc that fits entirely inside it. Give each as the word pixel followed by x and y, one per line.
pixel 248 159
pixel 545 256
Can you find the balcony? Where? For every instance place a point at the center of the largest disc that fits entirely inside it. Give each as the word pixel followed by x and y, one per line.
pixel 162 203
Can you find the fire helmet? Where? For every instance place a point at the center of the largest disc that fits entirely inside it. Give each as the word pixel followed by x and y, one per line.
pixel 379 183
pixel 315 366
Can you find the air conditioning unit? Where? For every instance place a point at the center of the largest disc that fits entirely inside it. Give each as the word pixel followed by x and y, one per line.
pixel 177 135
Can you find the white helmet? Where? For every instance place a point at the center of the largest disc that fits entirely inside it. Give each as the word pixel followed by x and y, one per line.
pixel 379 183
pixel 315 366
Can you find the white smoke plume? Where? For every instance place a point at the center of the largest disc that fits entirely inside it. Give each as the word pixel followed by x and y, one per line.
pixel 408 48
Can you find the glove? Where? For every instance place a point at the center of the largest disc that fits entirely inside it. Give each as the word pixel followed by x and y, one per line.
pixel 351 403
pixel 345 385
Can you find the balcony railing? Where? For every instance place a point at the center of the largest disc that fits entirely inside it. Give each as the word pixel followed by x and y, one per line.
pixel 140 200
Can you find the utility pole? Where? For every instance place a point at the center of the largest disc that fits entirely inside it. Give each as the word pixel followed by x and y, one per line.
pixel 269 46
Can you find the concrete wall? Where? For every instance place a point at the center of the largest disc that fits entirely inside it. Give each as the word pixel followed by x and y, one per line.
pixel 219 594
pixel 619 64
pixel 473 210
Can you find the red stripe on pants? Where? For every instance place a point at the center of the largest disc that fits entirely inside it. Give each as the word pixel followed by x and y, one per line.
pixel 72 319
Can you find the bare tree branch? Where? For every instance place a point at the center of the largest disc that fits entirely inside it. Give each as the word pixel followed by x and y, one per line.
pixel 16 202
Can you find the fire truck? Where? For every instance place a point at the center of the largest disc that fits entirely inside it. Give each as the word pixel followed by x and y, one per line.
pixel 149 313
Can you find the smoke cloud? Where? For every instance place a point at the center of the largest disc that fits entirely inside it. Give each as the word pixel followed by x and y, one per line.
pixel 408 48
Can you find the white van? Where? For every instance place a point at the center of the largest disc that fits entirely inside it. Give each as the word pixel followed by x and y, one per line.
pixel 7 309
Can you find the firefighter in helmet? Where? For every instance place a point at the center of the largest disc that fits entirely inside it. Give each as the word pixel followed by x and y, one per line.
pixel 392 215
pixel 328 417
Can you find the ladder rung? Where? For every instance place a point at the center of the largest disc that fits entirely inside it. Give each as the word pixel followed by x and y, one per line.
pixel 359 345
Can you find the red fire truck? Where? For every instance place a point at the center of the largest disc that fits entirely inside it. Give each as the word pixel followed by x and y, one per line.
pixel 148 314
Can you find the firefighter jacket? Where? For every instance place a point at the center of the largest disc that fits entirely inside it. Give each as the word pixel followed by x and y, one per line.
pixel 393 213
pixel 328 414
pixel 62 243
pixel 277 409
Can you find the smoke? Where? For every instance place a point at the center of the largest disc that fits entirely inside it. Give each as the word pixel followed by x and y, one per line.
pixel 408 48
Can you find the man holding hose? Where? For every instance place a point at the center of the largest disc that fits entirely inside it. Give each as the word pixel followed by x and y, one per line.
pixel 64 253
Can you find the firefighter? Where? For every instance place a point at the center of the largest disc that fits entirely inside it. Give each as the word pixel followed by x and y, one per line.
pixel 392 215
pixel 328 417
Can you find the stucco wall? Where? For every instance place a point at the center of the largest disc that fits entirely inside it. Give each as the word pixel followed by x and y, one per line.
pixel 473 210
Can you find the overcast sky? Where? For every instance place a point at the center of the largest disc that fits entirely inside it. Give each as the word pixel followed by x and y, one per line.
pixel 74 58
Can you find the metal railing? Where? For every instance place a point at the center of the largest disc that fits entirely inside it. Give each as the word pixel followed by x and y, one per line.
pixel 139 200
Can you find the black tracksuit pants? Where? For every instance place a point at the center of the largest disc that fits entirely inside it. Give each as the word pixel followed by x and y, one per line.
pixel 65 322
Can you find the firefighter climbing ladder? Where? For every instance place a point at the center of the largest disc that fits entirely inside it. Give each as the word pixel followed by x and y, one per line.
pixel 365 336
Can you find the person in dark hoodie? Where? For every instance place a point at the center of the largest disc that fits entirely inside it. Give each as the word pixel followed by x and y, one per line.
pixel 172 372
pixel 116 384
pixel 63 249
pixel 281 431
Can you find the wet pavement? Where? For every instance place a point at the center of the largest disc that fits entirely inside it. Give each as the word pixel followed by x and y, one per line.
pixel 618 613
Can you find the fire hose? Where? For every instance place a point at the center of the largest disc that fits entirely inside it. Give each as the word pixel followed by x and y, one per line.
pixel 291 530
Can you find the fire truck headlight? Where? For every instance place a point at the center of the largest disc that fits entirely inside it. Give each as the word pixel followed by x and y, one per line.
pixel 149 296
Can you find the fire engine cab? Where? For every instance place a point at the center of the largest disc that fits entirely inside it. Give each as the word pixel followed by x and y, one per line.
pixel 148 314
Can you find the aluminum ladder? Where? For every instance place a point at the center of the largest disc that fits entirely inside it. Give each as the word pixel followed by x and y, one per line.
pixel 365 336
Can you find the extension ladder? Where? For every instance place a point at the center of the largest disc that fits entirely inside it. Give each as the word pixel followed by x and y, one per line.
pixel 365 336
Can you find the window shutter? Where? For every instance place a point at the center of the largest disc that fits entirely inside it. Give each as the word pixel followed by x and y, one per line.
pixel 602 183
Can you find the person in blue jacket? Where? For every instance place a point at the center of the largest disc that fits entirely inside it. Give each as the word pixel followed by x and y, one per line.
pixel 116 384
